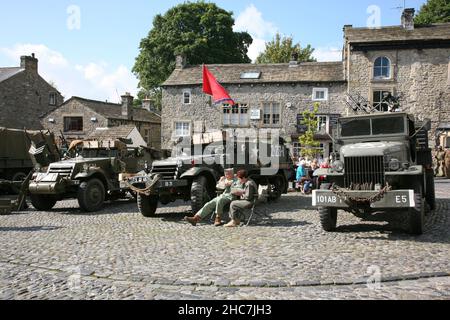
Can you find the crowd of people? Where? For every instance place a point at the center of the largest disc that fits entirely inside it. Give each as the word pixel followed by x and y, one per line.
pixel 305 180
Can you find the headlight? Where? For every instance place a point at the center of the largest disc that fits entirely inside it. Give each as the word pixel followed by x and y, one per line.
pixel 85 167
pixel 338 166
pixel 394 165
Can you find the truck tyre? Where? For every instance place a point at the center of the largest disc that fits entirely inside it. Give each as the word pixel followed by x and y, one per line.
pixel 328 218
pixel 91 195
pixel 147 205
pixel 43 202
pixel 199 194
pixel 18 176
pixel 430 195
pixel 417 214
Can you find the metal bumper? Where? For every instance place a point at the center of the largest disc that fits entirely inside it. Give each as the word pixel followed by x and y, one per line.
pixel 47 187
pixel 162 184
pixel 392 199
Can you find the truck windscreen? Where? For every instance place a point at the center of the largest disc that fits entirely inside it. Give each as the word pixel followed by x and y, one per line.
pixel 355 127
pixel 388 125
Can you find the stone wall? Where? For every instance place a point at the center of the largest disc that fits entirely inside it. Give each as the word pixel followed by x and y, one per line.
pixel 154 138
pixel 293 98
pixel 73 108
pixel 23 99
pixel 420 76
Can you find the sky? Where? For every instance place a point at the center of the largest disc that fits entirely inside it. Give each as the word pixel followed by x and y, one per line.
pixel 88 48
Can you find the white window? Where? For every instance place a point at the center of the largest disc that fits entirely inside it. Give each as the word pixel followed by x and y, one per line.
pixel 322 123
pixel 296 149
pixel 382 68
pixel 272 114
pixel 320 94
pixel 52 99
pixel 187 96
pixel 182 129
pixel 237 115
pixel 379 100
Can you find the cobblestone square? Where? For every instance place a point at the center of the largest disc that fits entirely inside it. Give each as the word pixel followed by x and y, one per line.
pixel 118 254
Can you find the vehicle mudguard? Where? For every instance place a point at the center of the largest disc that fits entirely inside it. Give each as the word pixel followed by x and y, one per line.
pixel 196 171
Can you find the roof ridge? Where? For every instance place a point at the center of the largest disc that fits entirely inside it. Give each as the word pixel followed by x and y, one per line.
pixel 95 101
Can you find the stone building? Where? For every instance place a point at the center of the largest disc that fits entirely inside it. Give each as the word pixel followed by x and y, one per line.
pixel 78 118
pixel 24 92
pixel 404 60
pixel 268 96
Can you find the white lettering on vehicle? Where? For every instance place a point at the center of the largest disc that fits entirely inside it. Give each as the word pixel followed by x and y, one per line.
pixel 401 199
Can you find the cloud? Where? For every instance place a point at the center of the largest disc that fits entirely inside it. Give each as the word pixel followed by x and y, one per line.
pixel 252 21
pixel 95 80
pixel 324 54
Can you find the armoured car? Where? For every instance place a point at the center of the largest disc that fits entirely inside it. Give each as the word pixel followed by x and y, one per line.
pixel 91 175
pixel 193 175
pixel 381 162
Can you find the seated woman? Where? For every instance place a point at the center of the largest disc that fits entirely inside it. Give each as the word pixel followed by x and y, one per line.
pixel 217 205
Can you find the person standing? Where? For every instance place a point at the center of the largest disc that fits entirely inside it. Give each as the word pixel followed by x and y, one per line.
pixel 247 198
pixel 440 157
pixel 447 163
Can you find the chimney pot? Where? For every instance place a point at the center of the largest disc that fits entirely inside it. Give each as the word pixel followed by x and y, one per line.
pixel 408 18
pixel 180 61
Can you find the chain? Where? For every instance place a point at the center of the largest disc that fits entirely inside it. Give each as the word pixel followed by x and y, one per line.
pixel 345 196
pixel 148 190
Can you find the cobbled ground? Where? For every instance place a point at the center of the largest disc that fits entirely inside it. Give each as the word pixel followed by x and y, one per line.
pixel 118 254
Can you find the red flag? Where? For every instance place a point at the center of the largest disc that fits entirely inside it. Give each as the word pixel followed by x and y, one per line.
pixel 213 88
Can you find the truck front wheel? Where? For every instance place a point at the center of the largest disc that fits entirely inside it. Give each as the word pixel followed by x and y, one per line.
pixel 328 218
pixel 199 194
pixel 43 202
pixel 91 195
pixel 147 205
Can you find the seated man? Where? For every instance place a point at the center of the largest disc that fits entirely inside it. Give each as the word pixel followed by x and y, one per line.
pixel 217 205
pixel 247 198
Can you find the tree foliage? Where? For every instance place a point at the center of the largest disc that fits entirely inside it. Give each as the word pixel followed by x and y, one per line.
pixel 434 11
pixel 308 144
pixel 201 31
pixel 282 49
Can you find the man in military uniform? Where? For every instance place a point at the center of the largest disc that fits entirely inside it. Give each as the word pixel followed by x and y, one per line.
pixel 440 157
pixel 447 163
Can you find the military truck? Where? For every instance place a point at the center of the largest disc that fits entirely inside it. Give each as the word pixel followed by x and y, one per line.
pixel 194 178
pixel 381 162
pixel 15 161
pixel 91 175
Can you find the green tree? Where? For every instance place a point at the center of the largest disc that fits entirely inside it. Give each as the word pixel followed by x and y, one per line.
pixel 201 31
pixel 308 144
pixel 282 49
pixel 434 11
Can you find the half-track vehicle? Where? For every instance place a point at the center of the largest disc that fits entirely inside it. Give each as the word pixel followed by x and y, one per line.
pixel 91 174
pixel 193 175
pixel 381 162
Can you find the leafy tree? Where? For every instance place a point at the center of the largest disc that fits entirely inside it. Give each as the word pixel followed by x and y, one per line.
pixel 201 31
pixel 434 11
pixel 308 144
pixel 281 50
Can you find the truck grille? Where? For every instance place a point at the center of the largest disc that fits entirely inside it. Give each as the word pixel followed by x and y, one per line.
pixel 166 172
pixel 361 171
pixel 62 171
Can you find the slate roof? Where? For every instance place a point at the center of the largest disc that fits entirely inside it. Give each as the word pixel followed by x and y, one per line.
pixel 114 110
pixel 6 73
pixel 440 31
pixel 270 73
pixel 112 133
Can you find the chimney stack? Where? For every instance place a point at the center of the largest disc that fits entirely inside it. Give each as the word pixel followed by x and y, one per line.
pixel 147 104
pixel 294 60
pixel 127 106
pixel 29 63
pixel 180 61
pixel 408 19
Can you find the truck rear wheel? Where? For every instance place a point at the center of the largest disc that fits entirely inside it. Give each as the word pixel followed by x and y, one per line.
pixel 43 202
pixel 328 218
pixel 91 195
pixel 147 205
pixel 199 194
pixel 417 214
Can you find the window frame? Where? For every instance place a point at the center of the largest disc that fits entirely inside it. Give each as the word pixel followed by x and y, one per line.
pixel 372 97
pixel 68 129
pixel 316 90
pixel 239 107
pixel 327 122
pixel 374 67
pixel 187 91
pixel 271 105
pixel 55 97
pixel 183 123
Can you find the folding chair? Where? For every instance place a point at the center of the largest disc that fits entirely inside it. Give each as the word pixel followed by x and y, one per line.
pixel 261 198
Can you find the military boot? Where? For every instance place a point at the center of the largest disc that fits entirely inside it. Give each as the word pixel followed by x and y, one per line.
pixel 193 220
pixel 218 221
